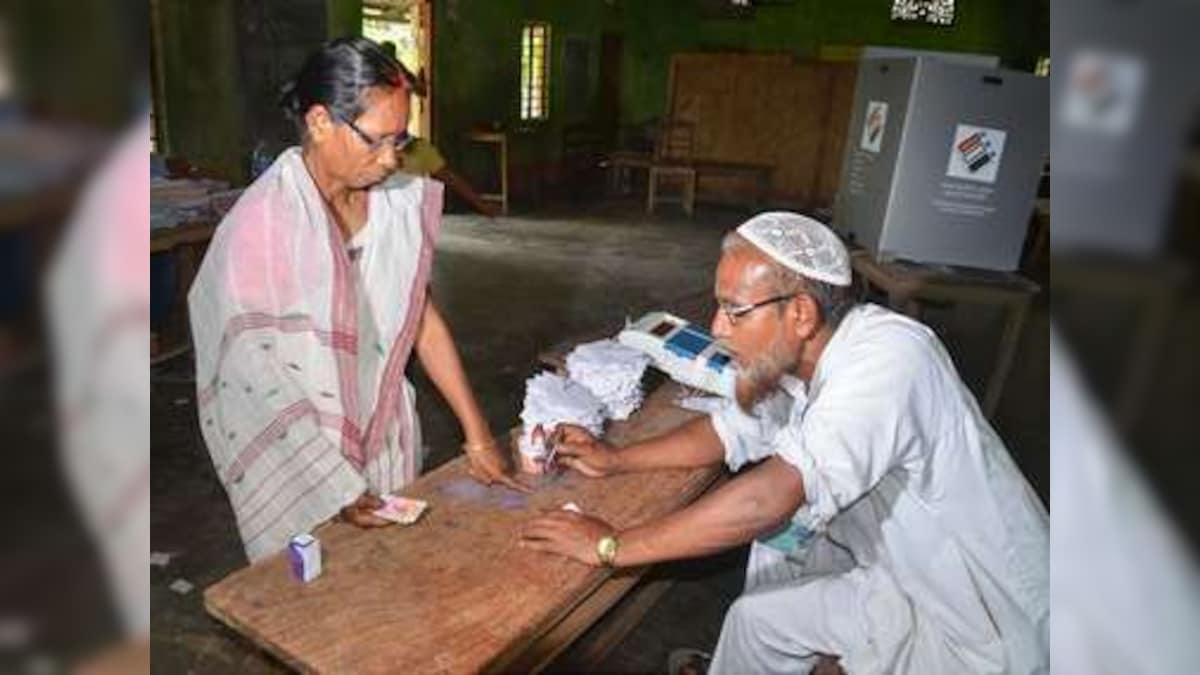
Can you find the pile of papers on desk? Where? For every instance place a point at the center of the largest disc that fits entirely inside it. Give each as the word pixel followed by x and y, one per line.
pixel 551 400
pixel 611 371
pixel 175 202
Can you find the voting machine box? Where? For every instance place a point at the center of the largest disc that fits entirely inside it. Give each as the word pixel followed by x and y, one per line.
pixel 942 161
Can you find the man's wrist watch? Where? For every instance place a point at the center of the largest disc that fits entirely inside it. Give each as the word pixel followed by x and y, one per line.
pixel 606 550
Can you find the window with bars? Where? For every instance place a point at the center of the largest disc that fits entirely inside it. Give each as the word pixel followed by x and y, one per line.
pixel 535 71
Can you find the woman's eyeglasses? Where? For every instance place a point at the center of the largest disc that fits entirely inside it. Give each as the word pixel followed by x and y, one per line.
pixel 398 141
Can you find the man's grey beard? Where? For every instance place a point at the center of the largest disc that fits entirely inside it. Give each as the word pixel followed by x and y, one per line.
pixel 762 375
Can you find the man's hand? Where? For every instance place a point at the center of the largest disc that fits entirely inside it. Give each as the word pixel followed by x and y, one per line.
pixel 360 513
pixel 487 464
pixel 576 448
pixel 567 534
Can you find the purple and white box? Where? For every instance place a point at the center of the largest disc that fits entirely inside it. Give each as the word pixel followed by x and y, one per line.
pixel 304 552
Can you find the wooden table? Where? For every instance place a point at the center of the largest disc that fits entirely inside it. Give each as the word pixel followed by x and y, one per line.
pixel 908 284
pixel 690 171
pixel 687 175
pixel 187 243
pixel 453 593
pixel 620 164
pixel 500 140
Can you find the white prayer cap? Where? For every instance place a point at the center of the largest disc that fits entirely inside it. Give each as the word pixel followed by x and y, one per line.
pixel 801 244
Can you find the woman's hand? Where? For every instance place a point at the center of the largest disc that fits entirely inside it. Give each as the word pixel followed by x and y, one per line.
pixel 361 512
pixel 487 464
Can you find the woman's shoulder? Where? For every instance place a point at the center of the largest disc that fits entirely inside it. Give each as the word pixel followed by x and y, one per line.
pixel 271 199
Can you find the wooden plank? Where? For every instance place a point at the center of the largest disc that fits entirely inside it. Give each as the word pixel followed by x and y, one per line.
pixel 764 109
pixel 167 238
pixel 627 615
pixel 535 657
pixel 840 103
pixel 452 593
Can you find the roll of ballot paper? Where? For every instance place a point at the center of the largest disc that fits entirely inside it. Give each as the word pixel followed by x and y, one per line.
pixel 686 352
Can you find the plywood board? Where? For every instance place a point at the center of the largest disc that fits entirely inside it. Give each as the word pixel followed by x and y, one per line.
pixel 453 593
pixel 769 109
pixel 842 77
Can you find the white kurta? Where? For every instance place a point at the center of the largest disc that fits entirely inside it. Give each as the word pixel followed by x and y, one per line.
pixel 920 549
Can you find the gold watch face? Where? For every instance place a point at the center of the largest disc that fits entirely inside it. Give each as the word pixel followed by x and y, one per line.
pixel 607 548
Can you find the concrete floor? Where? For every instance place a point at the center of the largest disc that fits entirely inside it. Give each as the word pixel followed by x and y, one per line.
pixel 510 288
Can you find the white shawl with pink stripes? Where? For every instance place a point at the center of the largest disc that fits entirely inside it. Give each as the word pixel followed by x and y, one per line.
pixel 301 346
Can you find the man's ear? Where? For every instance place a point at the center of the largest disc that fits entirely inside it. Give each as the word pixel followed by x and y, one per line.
pixel 808 315
pixel 319 123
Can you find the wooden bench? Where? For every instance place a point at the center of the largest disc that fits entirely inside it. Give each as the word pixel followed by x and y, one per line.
pixel 453 593
pixel 187 243
pixel 673 158
pixel 691 172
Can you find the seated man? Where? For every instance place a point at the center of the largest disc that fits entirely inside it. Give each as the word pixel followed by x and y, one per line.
pixel 892 531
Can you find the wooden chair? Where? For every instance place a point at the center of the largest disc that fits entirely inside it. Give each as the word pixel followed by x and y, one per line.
pixel 673 158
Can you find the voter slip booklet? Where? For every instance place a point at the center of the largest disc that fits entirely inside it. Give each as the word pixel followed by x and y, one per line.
pixel 401 509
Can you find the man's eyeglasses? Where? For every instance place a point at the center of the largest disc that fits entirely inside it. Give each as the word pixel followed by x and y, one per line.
pixel 735 312
pixel 399 141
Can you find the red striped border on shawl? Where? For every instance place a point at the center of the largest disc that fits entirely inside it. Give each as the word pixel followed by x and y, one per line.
pixel 291 323
pixel 344 320
pixel 293 413
pixel 391 385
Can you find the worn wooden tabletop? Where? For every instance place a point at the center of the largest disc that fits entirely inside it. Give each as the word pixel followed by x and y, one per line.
pixel 451 593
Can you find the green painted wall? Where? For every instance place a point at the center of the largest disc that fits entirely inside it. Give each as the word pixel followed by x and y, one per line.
pixel 1015 30
pixel 216 110
pixel 477 50
pixel 74 60
pixel 199 45
pixel 477 60
pixel 477 77
pixel 344 17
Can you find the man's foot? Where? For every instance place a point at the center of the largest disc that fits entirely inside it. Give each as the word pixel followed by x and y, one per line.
pixel 688 662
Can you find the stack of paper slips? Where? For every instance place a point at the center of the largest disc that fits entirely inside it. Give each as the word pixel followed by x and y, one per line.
pixel 611 371
pixel 551 400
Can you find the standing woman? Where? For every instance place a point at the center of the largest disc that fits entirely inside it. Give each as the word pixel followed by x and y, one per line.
pixel 310 301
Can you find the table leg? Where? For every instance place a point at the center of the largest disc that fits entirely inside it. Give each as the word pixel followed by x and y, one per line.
pixel 1148 338
pixel 651 189
pixel 904 303
pixel 689 193
pixel 1011 336
pixel 504 176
